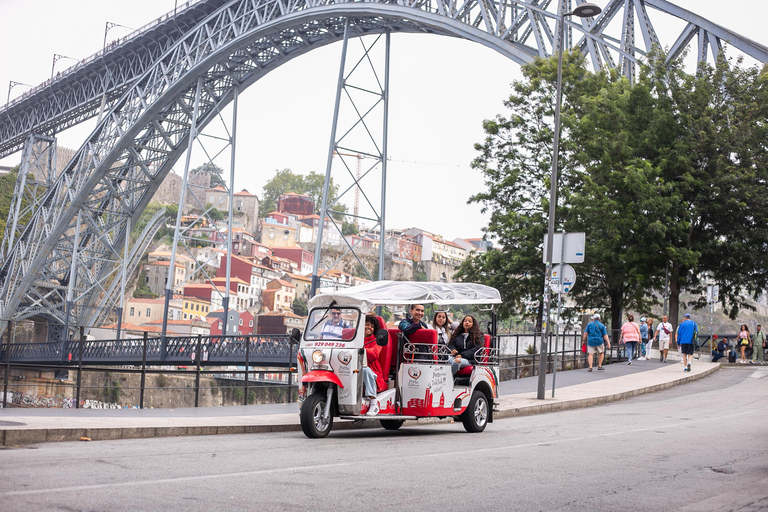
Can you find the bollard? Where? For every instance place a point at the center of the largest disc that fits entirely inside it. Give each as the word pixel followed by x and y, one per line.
pixel 247 368
pixel 143 370
pixel 7 365
pixel 80 365
pixel 197 374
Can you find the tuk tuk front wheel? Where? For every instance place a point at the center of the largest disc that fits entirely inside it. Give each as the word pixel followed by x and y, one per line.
pixel 475 418
pixel 312 422
pixel 391 424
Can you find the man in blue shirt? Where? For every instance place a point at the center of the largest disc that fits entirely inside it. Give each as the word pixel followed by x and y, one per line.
pixel 596 337
pixel 684 338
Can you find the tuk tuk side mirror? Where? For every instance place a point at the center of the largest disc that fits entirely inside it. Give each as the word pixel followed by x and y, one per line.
pixel 382 337
pixel 296 335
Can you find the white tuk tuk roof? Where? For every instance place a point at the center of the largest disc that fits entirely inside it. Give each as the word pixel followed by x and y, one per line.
pixel 382 293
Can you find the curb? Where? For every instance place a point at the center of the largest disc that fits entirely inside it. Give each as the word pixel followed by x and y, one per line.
pixel 12 438
pixel 598 400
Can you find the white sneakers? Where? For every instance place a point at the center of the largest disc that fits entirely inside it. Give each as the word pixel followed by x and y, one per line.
pixel 373 409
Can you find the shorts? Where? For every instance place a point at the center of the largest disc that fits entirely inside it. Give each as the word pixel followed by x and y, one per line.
pixel 663 344
pixel 599 349
pixel 687 348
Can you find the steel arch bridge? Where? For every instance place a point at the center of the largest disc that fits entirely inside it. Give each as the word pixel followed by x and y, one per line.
pixel 180 71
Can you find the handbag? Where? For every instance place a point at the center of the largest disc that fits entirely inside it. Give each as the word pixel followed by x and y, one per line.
pixel 584 348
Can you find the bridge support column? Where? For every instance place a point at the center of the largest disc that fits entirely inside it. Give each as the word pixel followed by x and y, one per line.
pixel 366 103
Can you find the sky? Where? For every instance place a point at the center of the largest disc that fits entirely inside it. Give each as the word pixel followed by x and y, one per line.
pixel 441 90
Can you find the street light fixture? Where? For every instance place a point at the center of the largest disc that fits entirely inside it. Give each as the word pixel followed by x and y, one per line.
pixel 584 10
pixel 56 58
pixel 11 85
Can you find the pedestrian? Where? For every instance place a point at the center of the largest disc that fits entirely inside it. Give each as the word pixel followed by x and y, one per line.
pixel 743 341
pixel 649 323
pixel 643 339
pixel 685 337
pixel 630 336
pixel 597 339
pixel 663 332
pixel 720 350
pixel 758 344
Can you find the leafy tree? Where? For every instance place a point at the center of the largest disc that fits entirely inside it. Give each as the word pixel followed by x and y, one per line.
pixel 286 181
pixel 672 168
pixel 348 228
pixel 7 184
pixel 300 306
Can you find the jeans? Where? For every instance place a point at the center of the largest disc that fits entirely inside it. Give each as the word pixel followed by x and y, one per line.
pixel 631 347
pixel 455 367
pixel 642 348
pixel 716 354
pixel 369 382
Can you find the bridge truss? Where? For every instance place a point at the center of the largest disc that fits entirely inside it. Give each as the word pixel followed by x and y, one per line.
pixel 181 70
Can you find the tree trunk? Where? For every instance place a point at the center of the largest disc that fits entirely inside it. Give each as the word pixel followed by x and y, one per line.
pixel 674 300
pixel 616 305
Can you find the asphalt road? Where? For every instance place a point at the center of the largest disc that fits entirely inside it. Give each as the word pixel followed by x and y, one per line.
pixel 700 446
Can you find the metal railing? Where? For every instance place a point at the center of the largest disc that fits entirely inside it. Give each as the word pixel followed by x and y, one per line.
pixel 152 356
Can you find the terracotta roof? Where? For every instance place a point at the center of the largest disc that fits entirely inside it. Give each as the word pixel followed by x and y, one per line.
pixel 285 283
pixel 244 193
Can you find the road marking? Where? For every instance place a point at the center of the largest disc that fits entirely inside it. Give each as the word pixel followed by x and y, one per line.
pixel 759 374
pixel 171 480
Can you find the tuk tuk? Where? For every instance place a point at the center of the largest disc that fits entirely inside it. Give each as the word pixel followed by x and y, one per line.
pixel 419 382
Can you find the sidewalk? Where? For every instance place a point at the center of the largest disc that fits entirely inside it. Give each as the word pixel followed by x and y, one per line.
pixel 575 388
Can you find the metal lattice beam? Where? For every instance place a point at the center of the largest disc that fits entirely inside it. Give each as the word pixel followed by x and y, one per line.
pixel 73 242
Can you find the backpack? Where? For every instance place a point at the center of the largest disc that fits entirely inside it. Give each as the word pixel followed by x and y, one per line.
pixel 695 335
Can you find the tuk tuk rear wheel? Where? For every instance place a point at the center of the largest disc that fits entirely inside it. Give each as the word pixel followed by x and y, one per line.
pixel 391 424
pixel 312 423
pixel 475 418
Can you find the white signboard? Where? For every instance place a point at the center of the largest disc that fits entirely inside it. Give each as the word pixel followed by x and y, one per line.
pixel 713 293
pixel 563 278
pixel 573 251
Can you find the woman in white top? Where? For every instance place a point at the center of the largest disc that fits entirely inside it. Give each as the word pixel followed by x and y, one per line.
pixel 442 325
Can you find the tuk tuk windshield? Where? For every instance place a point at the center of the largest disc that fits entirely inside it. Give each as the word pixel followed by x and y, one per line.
pixel 332 324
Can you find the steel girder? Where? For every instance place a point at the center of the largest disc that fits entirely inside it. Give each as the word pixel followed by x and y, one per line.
pixel 75 95
pixel 72 245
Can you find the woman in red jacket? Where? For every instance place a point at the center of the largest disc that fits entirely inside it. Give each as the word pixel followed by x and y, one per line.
pixel 373 377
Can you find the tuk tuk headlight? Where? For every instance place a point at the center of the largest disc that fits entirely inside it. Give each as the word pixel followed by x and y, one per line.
pixel 318 357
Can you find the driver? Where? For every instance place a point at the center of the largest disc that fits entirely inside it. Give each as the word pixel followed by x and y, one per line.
pixel 334 326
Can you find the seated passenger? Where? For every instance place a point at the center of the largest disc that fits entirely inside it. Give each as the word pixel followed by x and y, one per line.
pixel 373 377
pixel 413 322
pixel 465 342
pixel 335 325
pixel 719 352
pixel 444 327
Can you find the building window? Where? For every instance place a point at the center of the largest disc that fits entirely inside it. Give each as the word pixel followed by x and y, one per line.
pixel 241 321
pixel 149 312
pixel 197 307
pixel 131 313
pixel 250 323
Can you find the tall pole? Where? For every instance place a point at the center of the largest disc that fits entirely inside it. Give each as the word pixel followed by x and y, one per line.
pixel 180 213
pixel 229 218
pixel 329 163
pixel 666 288
pixel 552 207
pixel 584 10
pixel 384 157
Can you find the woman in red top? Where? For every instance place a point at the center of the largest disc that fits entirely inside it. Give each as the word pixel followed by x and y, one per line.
pixel 373 377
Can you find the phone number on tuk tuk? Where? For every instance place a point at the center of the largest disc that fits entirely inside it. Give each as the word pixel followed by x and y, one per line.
pixel 331 344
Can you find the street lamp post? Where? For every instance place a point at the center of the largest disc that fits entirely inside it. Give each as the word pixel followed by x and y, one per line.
pixel 584 10
pixel 57 57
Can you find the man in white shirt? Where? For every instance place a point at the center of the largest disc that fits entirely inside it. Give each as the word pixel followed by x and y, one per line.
pixel 663 331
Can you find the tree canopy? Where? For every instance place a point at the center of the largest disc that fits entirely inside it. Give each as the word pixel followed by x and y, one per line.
pixel 671 168
pixel 285 181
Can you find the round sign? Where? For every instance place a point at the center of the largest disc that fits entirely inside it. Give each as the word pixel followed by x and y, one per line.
pixel 563 278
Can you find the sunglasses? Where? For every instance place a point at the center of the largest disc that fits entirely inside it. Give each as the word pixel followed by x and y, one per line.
pixel 335 314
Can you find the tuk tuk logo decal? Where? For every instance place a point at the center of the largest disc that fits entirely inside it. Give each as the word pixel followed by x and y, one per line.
pixel 414 372
pixel 345 358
